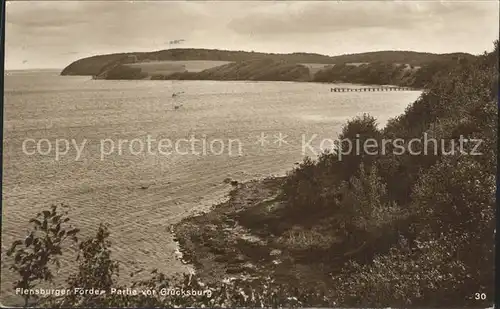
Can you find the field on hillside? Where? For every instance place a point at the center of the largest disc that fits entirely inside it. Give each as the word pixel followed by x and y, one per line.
pixel 169 67
pixel 315 67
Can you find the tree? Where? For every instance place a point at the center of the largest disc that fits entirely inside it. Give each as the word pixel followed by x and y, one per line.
pixel 403 277
pixel 455 202
pixel 96 270
pixel 38 254
pixel 352 139
pixel 368 213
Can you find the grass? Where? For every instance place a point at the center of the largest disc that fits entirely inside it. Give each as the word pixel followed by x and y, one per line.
pixel 299 239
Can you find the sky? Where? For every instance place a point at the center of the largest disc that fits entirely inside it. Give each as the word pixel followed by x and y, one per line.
pixel 52 34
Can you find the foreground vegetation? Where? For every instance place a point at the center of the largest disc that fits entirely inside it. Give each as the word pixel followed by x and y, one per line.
pixel 417 230
pixel 425 223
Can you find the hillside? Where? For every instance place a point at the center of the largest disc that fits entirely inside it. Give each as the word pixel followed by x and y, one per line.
pixel 95 64
pixel 167 67
pixel 399 57
pixel 266 69
pixel 381 73
pixel 258 70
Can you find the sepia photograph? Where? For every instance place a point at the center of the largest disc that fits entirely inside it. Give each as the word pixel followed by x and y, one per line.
pixel 257 154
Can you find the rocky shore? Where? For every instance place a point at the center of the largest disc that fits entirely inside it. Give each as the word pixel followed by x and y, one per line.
pixel 251 236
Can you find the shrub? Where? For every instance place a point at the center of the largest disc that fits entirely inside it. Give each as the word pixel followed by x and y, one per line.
pixel 401 278
pixel 36 256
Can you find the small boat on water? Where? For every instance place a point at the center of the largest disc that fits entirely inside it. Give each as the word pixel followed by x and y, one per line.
pixel 175 95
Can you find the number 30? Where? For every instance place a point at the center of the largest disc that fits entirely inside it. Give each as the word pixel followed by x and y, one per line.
pixel 480 296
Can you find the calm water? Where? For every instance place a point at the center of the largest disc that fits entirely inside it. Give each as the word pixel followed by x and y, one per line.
pixel 141 194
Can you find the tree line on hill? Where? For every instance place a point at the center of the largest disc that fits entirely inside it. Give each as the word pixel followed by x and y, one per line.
pixel 257 70
pixel 383 73
pixel 100 64
pixel 267 69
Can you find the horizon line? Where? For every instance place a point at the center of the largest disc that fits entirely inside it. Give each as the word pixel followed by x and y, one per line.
pixel 246 51
pixel 295 52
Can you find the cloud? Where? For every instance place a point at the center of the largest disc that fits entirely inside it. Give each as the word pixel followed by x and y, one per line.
pixel 329 17
pixel 55 33
pixel 317 17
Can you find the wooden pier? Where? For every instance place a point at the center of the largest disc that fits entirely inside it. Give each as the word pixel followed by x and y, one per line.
pixel 372 89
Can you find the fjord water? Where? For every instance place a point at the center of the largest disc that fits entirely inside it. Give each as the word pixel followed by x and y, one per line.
pixel 140 195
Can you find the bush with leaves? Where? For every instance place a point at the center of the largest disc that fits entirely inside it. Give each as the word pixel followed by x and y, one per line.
pixel 36 257
pixel 96 270
pixel 404 277
pixel 451 255
pixel 369 217
pixel 301 185
pixel 457 199
pixel 313 185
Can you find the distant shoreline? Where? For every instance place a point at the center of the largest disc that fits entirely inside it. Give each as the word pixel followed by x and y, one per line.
pixel 399 68
pixel 32 70
pixel 215 80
